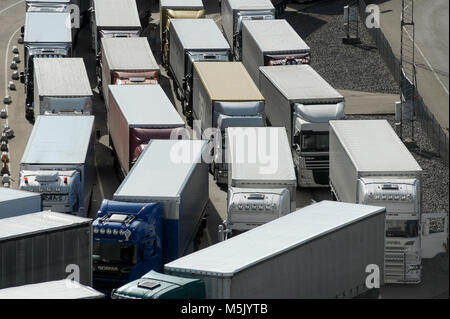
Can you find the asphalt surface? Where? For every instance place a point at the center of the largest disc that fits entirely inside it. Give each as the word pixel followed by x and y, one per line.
pixel 12 18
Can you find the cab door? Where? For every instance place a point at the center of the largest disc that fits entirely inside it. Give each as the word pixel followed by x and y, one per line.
pixel 434 234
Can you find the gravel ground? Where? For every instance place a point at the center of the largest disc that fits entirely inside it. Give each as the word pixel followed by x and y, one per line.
pixel 344 66
pixel 435 185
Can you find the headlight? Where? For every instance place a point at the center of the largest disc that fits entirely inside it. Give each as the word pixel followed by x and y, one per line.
pixel 95 230
pixel 102 231
pixel 115 232
pixel 108 231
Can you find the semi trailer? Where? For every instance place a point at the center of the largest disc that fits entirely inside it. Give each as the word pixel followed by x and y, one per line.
pixel 127 243
pixel 235 12
pixel 320 251
pixel 48 5
pixel 154 285
pixel 175 174
pixel 56 289
pixel 47 35
pixel 58 163
pixel 175 9
pixel 126 61
pixel 224 96
pixel 193 40
pixel 15 202
pixel 261 177
pixel 369 164
pixel 61 86
pixel 113 19
pixel 298 98
pixel 137 115
pixel 271 42
pixel 45 246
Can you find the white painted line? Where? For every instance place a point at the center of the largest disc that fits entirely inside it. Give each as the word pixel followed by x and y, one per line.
pixel 13 5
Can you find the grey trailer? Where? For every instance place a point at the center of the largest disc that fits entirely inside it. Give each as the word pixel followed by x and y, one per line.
pixel 14 202
pixel 271 42
pixel 47 35
pixel 174 173
pixel 320 251
pixel 45 246
pixel 57 289
pixel 61 86
pixel 193 40
pixel 58 162
pixel 234 12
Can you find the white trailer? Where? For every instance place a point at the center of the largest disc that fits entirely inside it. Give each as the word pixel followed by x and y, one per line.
pixel 320 251
pixel 45 246
pixel 261 176
pixel 48 5
pixel 299 99
pixel 58 162
pixel 174 173
pixel 14 202
pixel 61 86
pixel 234 12
pixel 271 42
pixel 57 289
pixel 369 164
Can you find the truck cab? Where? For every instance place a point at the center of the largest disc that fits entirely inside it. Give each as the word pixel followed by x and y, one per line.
pixel 47 35
pixel 235 12
pixel 127 243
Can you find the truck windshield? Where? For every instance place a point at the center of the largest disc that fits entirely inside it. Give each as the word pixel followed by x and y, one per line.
pixel 314 142
pixel 115 253
pixel 402 228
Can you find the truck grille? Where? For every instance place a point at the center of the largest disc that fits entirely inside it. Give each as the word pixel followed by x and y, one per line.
pixel 394 264
pixel 320 169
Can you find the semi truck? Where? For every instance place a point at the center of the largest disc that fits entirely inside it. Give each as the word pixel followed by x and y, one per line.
pixel 231 99
pixel 175 9
pixel 58 163
pixel 113 19
pixel 369 164
pixel 56 289
pixel 126 61
pixel 271 42
pixel 234 12
pixel 154 285
pixel 184 198
pixel 15 202
pixel 137 115
pixel 47 35
pixel 45 246
pixel 298 98
pixel 61 86
pixel 127 243
pixel 193 40
pixel 261 177
pixel 320 251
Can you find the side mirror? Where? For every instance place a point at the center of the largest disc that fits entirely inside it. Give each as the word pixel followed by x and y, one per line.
pixel 22 29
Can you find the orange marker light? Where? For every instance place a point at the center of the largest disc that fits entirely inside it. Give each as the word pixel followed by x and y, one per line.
pixel 26 180
pixel 65 180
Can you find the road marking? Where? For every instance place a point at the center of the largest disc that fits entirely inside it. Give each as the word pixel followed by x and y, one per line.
pixel 13 5
pixel 425 58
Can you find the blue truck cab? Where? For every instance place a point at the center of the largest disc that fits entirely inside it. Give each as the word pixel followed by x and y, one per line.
pixel 127 243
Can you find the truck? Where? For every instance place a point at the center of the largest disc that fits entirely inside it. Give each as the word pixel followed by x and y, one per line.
pixel 231 99
pixel 261 176
pixel 14 202
pixel 298 98
pixel 47 35
pixel 234 12
pixel 61 86
pixel 143 7
pixel 174 173
pixel 137 115
pixel 55 289
pixel 127 243
pixel 193 40
pixel 45 246
pixel 58 163
pixel 113 19
pixel 369 164
pixel 319 251
pixel 47 5
pixel 271 42
pixel 154 285
pixel 126 61
pixel 175 9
